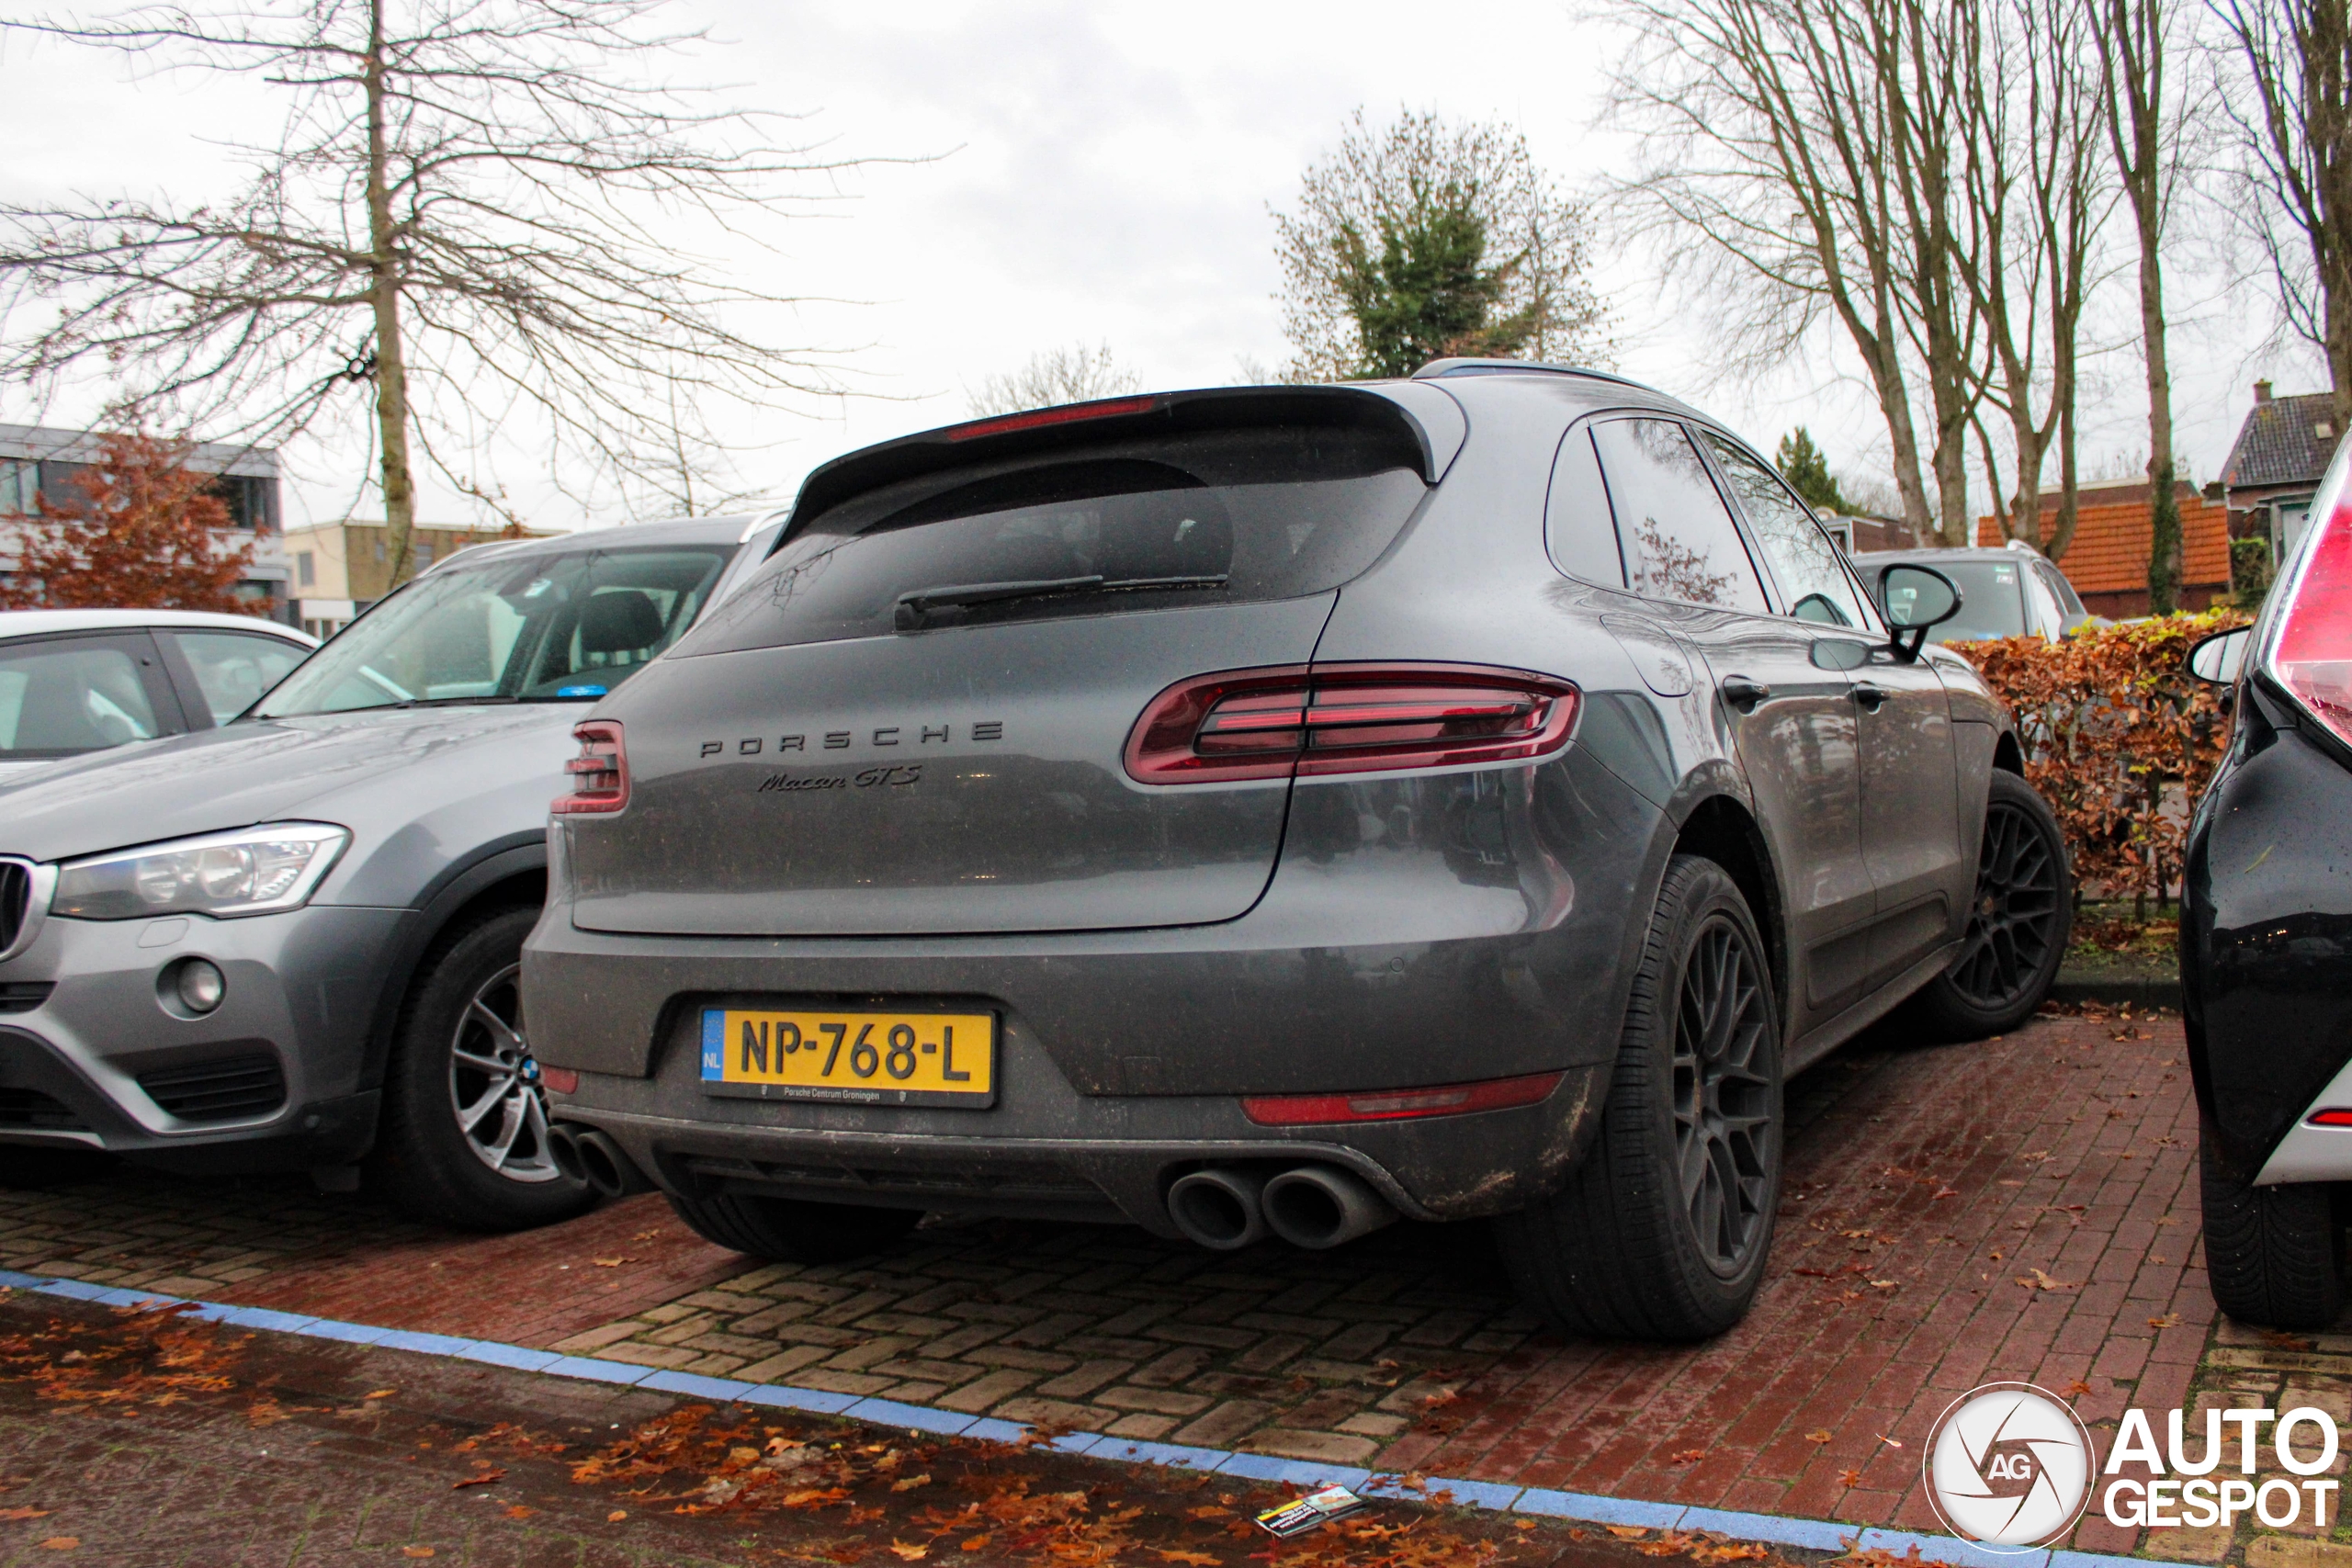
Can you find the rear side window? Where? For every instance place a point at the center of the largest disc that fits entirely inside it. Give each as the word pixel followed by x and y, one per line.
pixel 1577 527
pixel 1811 572
pixel 1678 538
pixel 1216 517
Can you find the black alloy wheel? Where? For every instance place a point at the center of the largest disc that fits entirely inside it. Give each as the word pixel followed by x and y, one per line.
pixel 2017 925
pixel 1723 1102
pixel 1663 1229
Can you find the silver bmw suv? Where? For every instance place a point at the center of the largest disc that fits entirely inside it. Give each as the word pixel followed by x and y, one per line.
pixel 291 940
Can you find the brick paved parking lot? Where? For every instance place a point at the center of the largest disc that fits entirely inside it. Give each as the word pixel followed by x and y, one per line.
pixel 2021 1208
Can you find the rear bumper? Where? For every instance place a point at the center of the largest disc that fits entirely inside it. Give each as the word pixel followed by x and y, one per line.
pixel 2266 957
pixel 1045 1151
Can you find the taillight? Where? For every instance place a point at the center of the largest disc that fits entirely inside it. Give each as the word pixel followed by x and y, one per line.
pixel 1069 413
pixel 1346 718
pixel 600 773
pixel 2311 653
pixel 1399 1104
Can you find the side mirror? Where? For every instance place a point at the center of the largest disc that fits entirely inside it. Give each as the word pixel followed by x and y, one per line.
pixel 2220 660
pixel 1915 599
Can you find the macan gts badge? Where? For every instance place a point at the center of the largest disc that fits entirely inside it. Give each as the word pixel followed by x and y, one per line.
pixel 1467 797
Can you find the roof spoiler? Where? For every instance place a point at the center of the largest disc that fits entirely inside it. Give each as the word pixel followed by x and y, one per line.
pixel 1426 414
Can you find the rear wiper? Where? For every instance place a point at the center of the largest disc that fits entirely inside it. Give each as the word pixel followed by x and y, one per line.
pixel 914 608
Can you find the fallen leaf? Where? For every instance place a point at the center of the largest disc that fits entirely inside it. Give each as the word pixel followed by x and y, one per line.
pixel 2041 1281
pixel 1891 1442
pixel 1688 1456
pixel 383 1393
pixel 1850 1478
pixel 2076 1389
pixel 2169 1320
pixel 1884 1285
pixel 1207 1511
pixel 485 1479
pixel 406 1551
pixel 912 1553
pixel 68 1543
pixel 1948 1192
pixel 1197 1558
pixel 1524 1525
pixel 1628 1532
pixel 617 1516
pixel 977 1543
pixel 1819 1435
pixel 911 1482
pixel 22 1513
pixel 611 1262
pixel 520 1512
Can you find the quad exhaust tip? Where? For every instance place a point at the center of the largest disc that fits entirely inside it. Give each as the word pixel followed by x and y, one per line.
pixel 1313 1206
pixel 1219 1207
pixel 1318 1206
pixel 585 1153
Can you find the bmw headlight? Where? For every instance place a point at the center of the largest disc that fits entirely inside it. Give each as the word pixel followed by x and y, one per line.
pixel 253 870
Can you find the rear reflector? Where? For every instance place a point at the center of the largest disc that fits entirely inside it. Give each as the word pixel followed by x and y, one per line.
pixel 2331 1117
pixel 563 1080
pixel 2312 654
pixel 1346 718
pixel 1399 1104
pixel 599 775
pixel 1108 408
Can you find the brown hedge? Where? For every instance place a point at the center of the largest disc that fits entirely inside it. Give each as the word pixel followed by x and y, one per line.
pixel 2110 718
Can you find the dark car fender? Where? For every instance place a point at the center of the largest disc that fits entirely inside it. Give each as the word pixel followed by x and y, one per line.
pixel 510 871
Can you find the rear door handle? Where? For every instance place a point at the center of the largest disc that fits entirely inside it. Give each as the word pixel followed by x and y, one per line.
pixel 1870 696
pixel 1743 693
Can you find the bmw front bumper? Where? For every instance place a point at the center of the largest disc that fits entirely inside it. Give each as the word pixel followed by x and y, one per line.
pixel 94 1054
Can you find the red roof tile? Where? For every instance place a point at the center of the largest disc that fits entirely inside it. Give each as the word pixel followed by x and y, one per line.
pixel 2110 550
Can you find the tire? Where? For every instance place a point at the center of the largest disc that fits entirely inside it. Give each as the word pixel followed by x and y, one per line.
pixel 459 1052
pixel 792 1230
pixel 2019 923
pixel 1629 1248
pixel 2274 1255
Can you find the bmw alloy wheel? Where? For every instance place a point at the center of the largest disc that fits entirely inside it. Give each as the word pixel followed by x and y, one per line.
pixel 494 1089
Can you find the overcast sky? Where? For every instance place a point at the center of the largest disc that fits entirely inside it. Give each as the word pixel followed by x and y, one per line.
pixel 1097 173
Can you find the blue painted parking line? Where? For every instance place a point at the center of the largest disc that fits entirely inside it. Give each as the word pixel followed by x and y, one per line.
pixel 1814 1535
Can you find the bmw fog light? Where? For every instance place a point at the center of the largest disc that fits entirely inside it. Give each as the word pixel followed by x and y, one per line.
pixel 200 984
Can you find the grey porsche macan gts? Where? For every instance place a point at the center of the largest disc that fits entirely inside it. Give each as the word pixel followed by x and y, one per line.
pixel 1277 811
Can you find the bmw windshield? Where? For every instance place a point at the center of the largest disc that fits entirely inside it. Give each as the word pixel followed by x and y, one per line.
pixel 539 628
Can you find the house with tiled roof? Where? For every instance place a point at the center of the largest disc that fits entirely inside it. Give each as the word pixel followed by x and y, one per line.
pixel 2107 561
pixel 2276 464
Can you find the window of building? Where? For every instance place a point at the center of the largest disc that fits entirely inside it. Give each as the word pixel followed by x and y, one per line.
pixel 19 484
pixel 306 571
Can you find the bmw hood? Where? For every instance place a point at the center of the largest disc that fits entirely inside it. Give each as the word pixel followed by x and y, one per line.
pixel 370 771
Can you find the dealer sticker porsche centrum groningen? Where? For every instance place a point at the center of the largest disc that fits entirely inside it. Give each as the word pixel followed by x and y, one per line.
pixel 856 1057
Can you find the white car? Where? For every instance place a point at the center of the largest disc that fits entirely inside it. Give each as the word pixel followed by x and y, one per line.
pixel 78 681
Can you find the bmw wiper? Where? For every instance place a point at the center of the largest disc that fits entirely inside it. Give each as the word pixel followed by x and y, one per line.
pixel 916 607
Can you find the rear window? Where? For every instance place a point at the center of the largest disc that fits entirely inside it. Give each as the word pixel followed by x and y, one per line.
pixel 1216 517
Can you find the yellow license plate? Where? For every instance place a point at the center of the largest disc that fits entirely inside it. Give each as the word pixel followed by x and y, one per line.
pixel 862 1058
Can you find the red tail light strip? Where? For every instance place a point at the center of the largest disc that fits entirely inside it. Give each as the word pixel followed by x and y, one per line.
pixel 1108 408
pixel 1399 1104
pixel 1250 724
pixel 2331 1117
pixel 599 775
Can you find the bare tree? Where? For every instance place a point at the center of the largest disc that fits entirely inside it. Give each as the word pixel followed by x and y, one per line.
pixel 1074 375
pixel 1536 243
pixel 1803 145
pixel 2038 190
pixel 2145 131
pixel 475 206
pixel 2295 140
